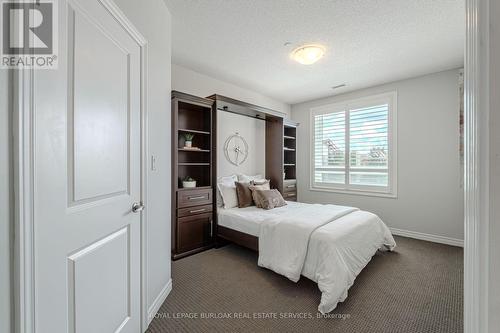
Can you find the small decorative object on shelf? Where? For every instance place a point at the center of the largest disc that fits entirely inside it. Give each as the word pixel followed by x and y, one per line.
pixel 189 140
pixel 188 182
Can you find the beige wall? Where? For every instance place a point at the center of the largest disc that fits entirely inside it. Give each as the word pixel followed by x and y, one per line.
pixel 430 198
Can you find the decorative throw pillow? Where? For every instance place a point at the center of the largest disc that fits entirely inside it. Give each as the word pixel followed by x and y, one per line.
pixel 229 196
pixel 228 181
pixel 248 179
pixel 255 186
pixel 270 199
pixel 260 182
pixel 244 195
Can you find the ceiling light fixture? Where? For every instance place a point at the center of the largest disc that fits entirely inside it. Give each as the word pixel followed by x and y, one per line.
pixel 308 54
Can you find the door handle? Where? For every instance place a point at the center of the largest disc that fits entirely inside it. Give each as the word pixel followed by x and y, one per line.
pixel 138 207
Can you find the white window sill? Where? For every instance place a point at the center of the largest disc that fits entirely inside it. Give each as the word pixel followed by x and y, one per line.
pixel 355 192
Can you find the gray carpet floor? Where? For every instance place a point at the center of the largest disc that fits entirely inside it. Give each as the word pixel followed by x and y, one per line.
pixel 417 288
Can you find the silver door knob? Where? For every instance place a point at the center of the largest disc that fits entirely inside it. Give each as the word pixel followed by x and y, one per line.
pixel 137 207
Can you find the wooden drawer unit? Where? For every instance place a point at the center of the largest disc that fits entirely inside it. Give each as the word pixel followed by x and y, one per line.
pixel 290 196
pixel 197 197
pixel 289 186
pixel 193 221
pixel 194 232
pixel 195 210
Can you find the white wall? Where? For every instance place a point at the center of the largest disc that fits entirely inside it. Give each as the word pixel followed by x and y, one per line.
pixel 5 205
pixel 254 132
pixel 194 83
pixel 430 199
pixel 153 20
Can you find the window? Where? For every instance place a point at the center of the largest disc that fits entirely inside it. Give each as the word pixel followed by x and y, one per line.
pixel 354 146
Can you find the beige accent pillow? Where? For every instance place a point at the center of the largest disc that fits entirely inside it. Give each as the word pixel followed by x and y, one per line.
pixel 256 186
pixel 270 199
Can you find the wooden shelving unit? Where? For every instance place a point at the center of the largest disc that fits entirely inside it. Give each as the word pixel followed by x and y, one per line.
pixel 193 131
pixel 192 208
pixel 281 156
pixel 289 148
pixel 195 150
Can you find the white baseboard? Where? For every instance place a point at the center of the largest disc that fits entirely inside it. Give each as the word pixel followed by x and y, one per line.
pixel 428 237
pixel 153 309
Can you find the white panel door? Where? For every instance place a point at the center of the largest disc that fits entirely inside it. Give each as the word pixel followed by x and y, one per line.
pixel 87 167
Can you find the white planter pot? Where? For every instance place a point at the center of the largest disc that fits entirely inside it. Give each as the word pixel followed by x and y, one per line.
pixel 188 184
pixel 189 144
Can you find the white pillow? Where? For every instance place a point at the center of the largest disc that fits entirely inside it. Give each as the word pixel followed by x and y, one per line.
pixel 248 179
pixel 227 180
pixel 229 196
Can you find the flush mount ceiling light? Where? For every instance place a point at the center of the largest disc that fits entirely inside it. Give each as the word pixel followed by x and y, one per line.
pixel 308 54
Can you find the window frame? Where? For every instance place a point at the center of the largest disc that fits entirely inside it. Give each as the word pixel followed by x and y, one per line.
pixel 346 106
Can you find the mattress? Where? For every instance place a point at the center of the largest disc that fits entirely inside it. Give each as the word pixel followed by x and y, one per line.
pixel 248 219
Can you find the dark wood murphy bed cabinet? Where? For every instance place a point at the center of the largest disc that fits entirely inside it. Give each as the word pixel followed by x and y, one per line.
pixel 192 208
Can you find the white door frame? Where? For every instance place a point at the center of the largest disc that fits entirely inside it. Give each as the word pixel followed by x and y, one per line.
pixel 476 214
pixel 24 157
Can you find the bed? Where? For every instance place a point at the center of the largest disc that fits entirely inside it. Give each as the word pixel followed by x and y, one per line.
pixel 327 244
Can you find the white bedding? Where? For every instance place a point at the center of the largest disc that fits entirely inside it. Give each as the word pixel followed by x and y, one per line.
pixel 242 219
pixel 284 238
pixel 326 243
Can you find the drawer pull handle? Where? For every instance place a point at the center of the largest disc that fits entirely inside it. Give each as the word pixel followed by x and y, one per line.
pixel 197 210
pixel 290 195
pixel 290 186
pixel 197 198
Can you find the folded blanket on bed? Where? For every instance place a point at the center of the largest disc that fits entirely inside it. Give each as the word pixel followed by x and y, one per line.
pixel 283 240
pixel 338 252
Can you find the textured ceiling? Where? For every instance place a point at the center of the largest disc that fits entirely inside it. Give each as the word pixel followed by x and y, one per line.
pixel 368 42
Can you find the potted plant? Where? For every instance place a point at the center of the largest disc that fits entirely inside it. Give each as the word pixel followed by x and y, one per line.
pixel 189 140
pixel 188 182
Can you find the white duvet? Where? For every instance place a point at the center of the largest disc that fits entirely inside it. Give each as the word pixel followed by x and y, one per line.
pixel 328 244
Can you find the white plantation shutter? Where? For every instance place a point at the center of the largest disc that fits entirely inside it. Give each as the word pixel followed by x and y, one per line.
pixel 352 146
pixel 329 148
pixel 369 145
